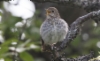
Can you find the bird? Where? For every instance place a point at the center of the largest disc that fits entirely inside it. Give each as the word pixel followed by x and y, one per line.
pixel 54 29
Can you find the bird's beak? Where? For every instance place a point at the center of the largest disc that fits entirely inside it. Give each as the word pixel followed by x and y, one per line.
pixel 47 12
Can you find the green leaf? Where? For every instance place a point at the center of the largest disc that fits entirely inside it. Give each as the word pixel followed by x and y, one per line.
pixel 99 52
pixel 37 23
pixel 7 43
pixel 25 56
pixel 8 59
pixel 0 14
pixel 3 51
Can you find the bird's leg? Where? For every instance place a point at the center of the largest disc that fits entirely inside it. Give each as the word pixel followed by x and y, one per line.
pixel 43 45
pixel 55 52
pixel 52 46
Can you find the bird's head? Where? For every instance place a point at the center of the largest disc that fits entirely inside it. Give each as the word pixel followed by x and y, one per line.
pixel 52 12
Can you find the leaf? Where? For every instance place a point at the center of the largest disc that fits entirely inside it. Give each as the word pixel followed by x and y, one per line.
pixel 3 51
pixel 99 52
pixel 8 59
pixel 7 43
pixel 37 23
pixel 0 14
pixel 25 56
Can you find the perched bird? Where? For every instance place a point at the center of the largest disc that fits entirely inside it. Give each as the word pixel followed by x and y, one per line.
pixel 54 29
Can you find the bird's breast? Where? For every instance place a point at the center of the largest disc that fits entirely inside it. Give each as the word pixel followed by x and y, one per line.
pixel 53 31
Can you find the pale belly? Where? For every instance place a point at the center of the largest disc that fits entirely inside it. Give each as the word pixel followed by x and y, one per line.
pixel 55 35
pixel 54 32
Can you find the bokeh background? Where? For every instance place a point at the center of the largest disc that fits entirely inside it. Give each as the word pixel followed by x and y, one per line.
pixel 20 21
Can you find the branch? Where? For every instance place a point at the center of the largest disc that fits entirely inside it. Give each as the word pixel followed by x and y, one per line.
pixel 62 57
pixel 73 32
pixel 88 5
pixel 80 58
pixel 75 28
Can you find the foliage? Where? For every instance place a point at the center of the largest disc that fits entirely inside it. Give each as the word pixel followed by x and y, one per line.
pixel 13 42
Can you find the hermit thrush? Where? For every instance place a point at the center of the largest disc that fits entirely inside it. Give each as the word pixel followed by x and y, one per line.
pixel 54 29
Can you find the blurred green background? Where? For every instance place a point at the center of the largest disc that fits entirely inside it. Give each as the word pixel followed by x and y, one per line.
pixel 20 38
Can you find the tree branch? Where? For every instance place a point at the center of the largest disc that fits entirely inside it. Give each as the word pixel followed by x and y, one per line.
pixel 80 58
pixel 73 32
pixel 75 28
pixel 88 5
